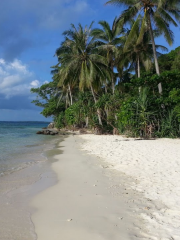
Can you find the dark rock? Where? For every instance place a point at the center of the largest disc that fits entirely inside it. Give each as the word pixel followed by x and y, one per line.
pixel 39 132
pixel 47 132
pixel 52 133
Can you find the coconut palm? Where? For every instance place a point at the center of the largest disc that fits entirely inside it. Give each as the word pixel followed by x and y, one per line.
pixel 139 52
pixel 81 62
pixel 161 13
pixel 108 39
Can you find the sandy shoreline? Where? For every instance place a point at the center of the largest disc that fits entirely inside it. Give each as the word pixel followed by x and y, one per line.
pixel 88 202
pixel 154 166
pixel 19 186
pixel 97 187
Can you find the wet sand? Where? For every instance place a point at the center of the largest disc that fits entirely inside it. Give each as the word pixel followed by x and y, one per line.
pixel 88 202
pixel 18 187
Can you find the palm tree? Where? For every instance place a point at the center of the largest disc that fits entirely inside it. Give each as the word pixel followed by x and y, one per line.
pixel 161 12
pixel 139 52
pixel 81 62
pixel 108 39
pixel 67 86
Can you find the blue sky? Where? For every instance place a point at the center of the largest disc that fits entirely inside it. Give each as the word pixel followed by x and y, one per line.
pixel 31 31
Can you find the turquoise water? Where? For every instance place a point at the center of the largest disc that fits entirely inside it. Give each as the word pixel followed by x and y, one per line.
pixel 18 141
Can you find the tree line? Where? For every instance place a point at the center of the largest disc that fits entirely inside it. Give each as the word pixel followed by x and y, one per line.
pixel 115 78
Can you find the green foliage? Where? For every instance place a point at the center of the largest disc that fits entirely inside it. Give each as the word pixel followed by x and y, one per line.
pixel 72 115
pixel 95 84
pixel 60 120
pixel 135 114
pixel 169 126
pixel 47 98
pixel 170 61
pixel 51 108
pixel 175 98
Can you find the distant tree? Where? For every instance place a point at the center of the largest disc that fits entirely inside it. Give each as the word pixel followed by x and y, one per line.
pixel 47 97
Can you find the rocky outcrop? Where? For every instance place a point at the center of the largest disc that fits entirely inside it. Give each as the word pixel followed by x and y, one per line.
pixel 51 125
pixel 47 132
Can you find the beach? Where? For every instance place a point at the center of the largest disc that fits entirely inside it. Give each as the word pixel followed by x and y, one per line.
pixel 154 167
pixel 97 187
pixel 88 202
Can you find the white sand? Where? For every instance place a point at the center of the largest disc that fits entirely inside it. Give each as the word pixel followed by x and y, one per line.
pixel 85 204
pixel 155 168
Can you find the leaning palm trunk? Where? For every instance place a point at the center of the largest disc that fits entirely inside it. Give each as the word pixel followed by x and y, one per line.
pixel 154 53
pixel 98 111
pixel 70 93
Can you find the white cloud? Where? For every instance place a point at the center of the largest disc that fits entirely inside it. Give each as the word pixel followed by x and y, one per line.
pixel 16 79
pixel 35 83
pixel 2 62
pixel 45 82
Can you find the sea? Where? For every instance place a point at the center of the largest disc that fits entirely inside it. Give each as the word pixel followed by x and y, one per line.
pixel 17 141
pixel 25 170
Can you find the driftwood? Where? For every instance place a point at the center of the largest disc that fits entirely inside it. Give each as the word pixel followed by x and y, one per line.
pixel 115 131
pixel 82 131
pixel 98 130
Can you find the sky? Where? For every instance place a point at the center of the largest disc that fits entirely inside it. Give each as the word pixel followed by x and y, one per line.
pixel 30 33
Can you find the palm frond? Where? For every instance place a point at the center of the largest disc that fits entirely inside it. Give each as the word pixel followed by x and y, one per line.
pixel 164 28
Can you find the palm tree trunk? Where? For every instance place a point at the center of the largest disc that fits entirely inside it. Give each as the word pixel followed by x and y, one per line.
pixel 112 79
pixel 105 87
pixel 70 93
pixel 113 87
pixel 138 71
pixel 98 111
pixel 154 53
pixel 138 67
pixel 87 122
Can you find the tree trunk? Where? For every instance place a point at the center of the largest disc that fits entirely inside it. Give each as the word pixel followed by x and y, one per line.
pixel 98 111
pixel 105 88
pixel 70 93
pixel 138 71
pixel 138 66
pixel 112 79
pixel 154 53
pixel 107 113
pixel 87 122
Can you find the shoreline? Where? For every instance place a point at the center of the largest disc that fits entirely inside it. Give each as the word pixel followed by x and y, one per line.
pixel 87 202
pixel 19 186
pixel 97 187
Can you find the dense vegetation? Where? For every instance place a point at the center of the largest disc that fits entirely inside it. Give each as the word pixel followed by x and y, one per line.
pixel 114 79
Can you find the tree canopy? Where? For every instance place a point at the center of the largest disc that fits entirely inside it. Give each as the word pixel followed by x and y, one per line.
pixel 106 78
